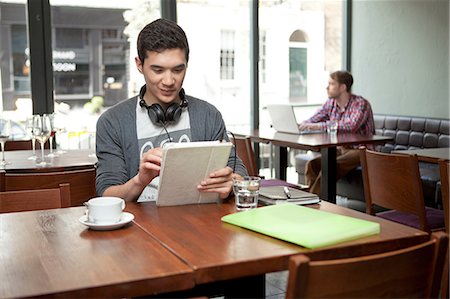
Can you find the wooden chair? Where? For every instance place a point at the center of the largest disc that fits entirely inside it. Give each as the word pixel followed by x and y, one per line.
pixel 30 200
pixel 393 181
pixel 82 182
pixel 444 167
pixel 19 145
pixel 245 152
pixel 413 272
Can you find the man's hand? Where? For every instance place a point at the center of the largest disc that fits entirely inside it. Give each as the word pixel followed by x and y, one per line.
pixel 309 126
pixel 150 166
pixel 148 169
pixel 220 181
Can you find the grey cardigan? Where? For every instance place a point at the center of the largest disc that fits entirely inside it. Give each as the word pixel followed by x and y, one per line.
pixel 117 143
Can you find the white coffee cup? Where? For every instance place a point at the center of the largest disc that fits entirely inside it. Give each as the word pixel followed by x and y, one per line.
pixel 105 210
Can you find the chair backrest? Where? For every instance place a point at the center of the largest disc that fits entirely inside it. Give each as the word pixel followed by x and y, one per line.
pixel 14 145
pixel 245 152
pixel 18 145
pixel 39 199
pixel 82 182
pixel 444 166
pixel 393 181
pixel 413 272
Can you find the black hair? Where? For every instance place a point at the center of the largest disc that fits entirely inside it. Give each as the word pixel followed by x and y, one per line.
pixel 161 35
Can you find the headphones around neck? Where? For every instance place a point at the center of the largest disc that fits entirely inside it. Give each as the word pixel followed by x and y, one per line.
pixel 157 114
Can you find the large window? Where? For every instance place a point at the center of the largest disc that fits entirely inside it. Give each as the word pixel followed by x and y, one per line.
pixel 299 42
pixel 302 45
pixel 94 45
pixel 91 42
pixel 219 64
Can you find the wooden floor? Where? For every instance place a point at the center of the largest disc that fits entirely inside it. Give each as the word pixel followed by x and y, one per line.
pixel 276 284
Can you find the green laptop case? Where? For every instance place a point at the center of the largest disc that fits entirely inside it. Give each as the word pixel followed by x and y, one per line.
pixel 303 226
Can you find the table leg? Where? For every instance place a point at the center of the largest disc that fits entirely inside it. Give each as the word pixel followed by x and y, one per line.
pixel 328 181
pixel 281 157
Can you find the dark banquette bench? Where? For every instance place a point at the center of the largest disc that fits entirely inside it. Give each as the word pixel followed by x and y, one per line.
pixel 408 133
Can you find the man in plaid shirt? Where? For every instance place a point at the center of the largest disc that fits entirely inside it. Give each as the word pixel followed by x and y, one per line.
pixel 353 114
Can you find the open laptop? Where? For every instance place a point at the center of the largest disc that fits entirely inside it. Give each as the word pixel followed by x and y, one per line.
pixel 284 119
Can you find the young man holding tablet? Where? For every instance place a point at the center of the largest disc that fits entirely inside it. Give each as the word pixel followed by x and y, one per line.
pixel 130 134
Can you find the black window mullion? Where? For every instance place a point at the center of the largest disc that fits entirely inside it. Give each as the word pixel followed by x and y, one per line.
pixel 347 35
pixel 254 70
pixel 169 10
pixel 40 43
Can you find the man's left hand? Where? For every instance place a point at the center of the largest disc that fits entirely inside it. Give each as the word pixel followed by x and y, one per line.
pixel 220 181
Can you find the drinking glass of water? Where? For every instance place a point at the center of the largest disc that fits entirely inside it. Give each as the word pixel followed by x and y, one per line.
pixel 246 192
pixel 5 132
pixel 332 126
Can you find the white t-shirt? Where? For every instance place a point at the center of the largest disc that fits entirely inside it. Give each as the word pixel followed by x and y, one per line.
pixel 151 136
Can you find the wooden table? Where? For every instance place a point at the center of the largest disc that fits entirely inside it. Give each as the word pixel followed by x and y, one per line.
pixel 70 160
pixel 431 155
pixel 50 253
pixel 164 250
pixel 76 167
pixel 323 142
pixel 218 251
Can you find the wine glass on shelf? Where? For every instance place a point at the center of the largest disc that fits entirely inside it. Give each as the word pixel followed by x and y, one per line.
pixel 5 131
pixel 42 133
pixel 30 130
pixel 50 119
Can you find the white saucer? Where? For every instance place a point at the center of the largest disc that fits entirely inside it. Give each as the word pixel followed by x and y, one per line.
pixel 126 218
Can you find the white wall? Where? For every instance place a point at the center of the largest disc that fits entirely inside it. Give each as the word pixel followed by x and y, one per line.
pixel 400 56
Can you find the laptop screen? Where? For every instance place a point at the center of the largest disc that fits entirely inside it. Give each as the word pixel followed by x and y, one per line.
pixel 285 118
pixel 303 113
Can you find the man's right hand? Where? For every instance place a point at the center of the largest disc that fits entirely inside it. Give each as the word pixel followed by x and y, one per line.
pixel 148 169
pixel 309 126
pixel 150 166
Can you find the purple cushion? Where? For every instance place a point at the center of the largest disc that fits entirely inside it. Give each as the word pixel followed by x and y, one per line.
pixel 435 218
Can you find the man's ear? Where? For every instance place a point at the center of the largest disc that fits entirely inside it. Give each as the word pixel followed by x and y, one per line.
pixel 138 64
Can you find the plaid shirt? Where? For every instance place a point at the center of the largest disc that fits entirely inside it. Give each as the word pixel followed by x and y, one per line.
pixel 356 117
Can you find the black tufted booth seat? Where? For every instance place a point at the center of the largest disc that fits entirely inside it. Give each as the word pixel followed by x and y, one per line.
pixel 412 132
pixel 408 133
